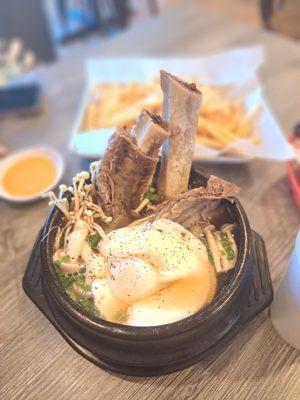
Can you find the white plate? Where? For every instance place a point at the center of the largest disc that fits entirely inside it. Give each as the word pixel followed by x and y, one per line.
pixel 8 161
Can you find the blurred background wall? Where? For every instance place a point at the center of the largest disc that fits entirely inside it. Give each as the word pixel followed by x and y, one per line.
pixel 26 19
pixel 45 26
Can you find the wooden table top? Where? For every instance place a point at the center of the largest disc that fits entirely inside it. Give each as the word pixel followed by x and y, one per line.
pixel 35 362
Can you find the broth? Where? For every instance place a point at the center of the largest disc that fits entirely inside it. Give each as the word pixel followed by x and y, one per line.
pixel 29 176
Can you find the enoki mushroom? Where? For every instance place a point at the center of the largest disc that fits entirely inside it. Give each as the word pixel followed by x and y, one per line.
pixel 221 247
pixel 79 210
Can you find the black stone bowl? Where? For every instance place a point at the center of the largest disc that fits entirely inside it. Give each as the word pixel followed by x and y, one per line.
pixel 160 349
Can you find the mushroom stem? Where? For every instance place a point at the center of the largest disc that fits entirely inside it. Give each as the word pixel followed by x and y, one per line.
pixel 103 216
pixel 62 190
pixel 66 238
pixel 227 228
pixel 59 203
pixel 76 240
pixel 81 293
pixel 75 194
pixel 208 231
pixel 150 206
pixel 225 263
pixel 69 268
pixel 140 221
pixel 57 239
pixel 99 230
pixel 142 205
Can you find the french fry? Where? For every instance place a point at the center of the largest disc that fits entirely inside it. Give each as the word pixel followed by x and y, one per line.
pixel 218 131
pixel 254 139
pixel 222 121
pixel 209 142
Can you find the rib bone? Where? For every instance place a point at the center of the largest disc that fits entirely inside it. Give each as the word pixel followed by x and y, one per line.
pixel 126 171
pixel 197 206
pixel 181 107
pixel 150 132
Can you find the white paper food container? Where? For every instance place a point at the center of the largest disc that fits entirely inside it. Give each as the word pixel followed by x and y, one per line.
pixel 236 68
pixel 285 309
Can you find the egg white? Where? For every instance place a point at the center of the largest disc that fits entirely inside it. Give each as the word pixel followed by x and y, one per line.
pixel 159 272
pixel 132 278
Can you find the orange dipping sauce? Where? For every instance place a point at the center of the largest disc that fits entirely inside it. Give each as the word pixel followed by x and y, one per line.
pixel 29 176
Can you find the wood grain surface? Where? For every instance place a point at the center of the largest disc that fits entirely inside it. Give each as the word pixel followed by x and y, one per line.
pixel 35 362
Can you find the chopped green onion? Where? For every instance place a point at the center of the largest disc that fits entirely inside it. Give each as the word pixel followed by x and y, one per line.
pixel 94 240
pixel 87 305
pixel 152 196
pixel 57 263
pixel 87 288
pixel 208 251
pixel 227 246
pixel 71 293
pixel 63 279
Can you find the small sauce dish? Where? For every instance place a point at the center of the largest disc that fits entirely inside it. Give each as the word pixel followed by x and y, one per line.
pixel 27 174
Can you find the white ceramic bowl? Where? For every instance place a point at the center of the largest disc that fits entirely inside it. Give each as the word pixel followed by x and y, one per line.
pixel 8 161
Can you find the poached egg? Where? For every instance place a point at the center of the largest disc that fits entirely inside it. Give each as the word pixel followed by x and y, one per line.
pixel 157 273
